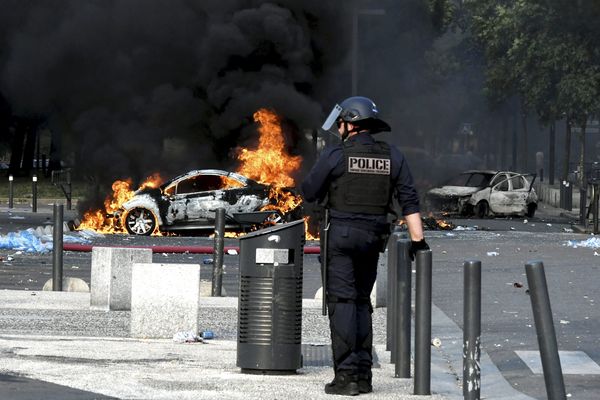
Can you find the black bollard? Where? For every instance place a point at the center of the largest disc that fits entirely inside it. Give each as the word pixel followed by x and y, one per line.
pixel 10 191
pixel 391 287
pixel 544 326
pixel 34 193
pixel 219 243
pixel 403 310
pixel 472 330
pixel 69 191
pixel 583 206
pixel 422 378
pixel 595 199
pixel 57 248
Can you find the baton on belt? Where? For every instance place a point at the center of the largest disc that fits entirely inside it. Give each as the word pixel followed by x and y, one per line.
pixel 324 247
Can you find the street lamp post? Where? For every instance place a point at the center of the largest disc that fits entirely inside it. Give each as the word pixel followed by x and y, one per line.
pixel 355 14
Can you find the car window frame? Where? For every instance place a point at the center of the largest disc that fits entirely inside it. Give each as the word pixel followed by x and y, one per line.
pixel 506 179
pixel 244 184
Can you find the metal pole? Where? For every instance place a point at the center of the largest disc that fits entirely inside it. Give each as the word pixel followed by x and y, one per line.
pixel 217 279
pixel 595 200
pixel 10 191
pixel 403 310
pixel 34 193
pixel 582 205
pixel 57 248
pixel 391 294
pixel 70 190
pixel 542 314
pixel 355 49
pixel 472 330
pixel 422 379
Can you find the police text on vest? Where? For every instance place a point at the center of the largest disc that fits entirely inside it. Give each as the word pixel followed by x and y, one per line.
pixel 367 165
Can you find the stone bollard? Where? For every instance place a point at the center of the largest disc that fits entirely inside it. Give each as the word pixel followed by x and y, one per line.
pixel 164 299
pixel 111 276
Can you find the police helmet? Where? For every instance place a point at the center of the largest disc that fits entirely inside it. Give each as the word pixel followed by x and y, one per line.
pixel 360 111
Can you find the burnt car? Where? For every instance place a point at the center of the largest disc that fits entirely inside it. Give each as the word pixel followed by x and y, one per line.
pixel 486 193
pixel 190 201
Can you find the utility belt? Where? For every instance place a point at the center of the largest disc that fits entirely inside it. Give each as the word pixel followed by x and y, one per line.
pixel 379 229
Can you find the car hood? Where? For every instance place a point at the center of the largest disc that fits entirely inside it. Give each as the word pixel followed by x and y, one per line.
pixel 453 191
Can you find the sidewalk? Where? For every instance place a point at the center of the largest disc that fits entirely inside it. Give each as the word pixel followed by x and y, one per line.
pixel 55 337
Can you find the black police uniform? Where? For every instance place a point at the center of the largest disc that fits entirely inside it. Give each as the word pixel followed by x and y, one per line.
pixel 359 178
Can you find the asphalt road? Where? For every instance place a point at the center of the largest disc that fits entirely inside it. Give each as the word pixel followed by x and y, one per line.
pixel 502 245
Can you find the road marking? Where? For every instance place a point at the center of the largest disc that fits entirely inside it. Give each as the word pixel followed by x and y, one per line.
pixel 572 362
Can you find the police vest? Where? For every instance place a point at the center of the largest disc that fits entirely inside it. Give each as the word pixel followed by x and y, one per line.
pixel 365 185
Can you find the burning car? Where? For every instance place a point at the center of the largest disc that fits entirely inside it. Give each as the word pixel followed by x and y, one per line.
pixel 190 201
pixel 485 193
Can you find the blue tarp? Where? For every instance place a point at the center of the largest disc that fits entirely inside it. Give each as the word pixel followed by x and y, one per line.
pixel 31 242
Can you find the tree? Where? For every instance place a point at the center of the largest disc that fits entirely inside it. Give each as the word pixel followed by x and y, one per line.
pixel 545 53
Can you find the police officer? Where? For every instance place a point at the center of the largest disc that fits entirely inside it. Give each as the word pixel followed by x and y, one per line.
pixel 357 180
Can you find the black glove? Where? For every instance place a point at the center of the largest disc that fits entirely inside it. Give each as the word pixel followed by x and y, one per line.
pixel 416 246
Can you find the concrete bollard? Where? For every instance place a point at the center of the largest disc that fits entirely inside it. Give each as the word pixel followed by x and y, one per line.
pixel 379 292
pixel 164 299
pixel 111 276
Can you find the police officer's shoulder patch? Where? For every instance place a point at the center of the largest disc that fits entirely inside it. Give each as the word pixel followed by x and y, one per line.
pixel 369 165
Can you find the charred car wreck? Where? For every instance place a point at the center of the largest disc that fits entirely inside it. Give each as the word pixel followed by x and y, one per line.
pixel 189 202
pixel 486 193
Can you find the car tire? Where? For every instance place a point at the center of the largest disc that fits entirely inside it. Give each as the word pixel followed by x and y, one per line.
pixel 531 208
pixel 140 221
pixel 482 209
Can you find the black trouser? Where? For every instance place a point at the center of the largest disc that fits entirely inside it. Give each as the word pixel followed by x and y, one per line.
pixel 352 268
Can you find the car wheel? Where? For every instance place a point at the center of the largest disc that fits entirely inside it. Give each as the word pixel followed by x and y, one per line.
pixel 482 209
pixel 531 207
pixel 140 221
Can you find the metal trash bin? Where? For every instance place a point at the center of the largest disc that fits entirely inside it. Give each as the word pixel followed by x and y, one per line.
pixel 270 300
pixel 566 195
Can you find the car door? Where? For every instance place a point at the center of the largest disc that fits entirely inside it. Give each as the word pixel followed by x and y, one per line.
pixel 195 199
pixel 509 194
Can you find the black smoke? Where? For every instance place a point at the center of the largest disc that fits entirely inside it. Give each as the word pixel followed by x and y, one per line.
pixel 138 86
pixel 144 85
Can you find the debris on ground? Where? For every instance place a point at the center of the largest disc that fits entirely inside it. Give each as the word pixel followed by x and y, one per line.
pixel 593 243
pixel 35 240
pixel 186 337
pixel 207 335
pixel 465 228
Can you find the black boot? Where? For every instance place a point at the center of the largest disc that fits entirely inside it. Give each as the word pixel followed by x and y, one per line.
pixel 343 384
pixel 365 380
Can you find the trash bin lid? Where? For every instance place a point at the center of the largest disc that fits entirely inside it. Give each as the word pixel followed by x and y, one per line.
pixel 272 229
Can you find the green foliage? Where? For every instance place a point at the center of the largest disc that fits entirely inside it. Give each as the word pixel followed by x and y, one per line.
pixel 544 51
pixel 442 14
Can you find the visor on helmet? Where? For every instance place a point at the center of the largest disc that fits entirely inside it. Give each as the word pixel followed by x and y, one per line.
pixel 333 116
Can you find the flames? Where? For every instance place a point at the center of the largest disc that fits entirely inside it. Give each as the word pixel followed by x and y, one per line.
pixel 270 163
pixel 103 221
pixel 430 222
